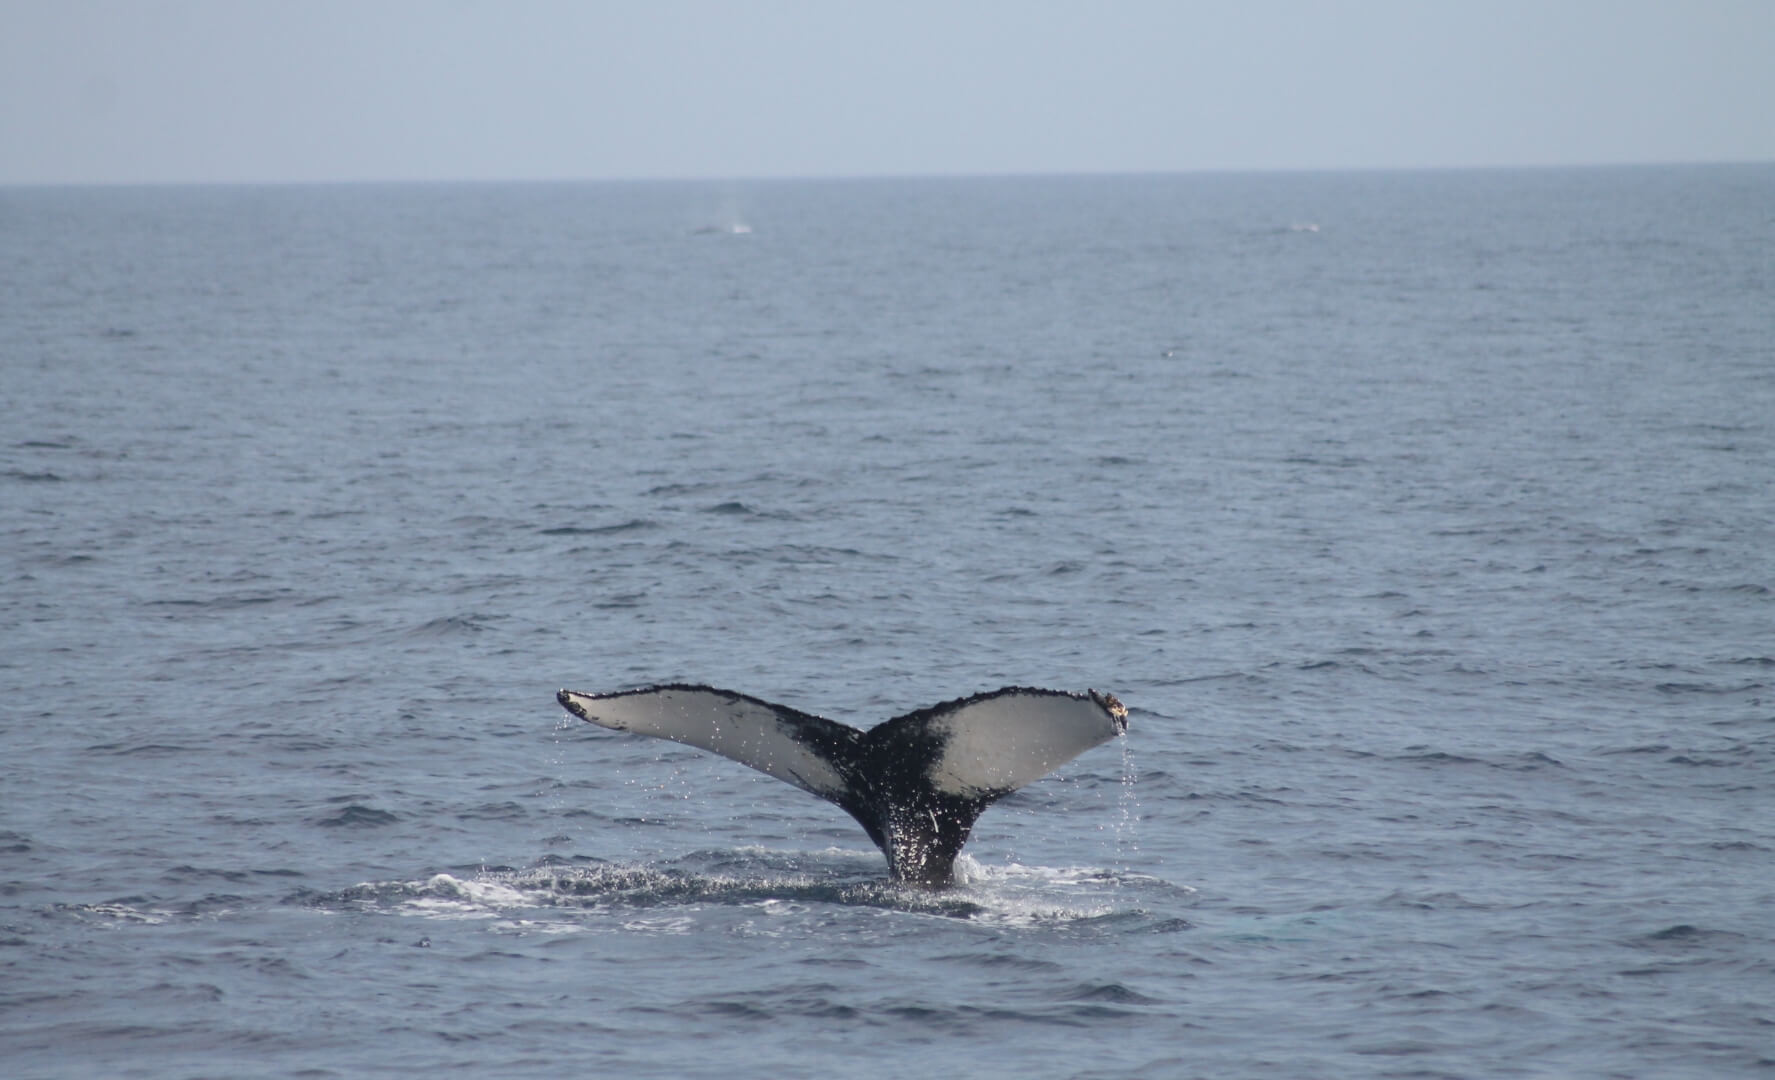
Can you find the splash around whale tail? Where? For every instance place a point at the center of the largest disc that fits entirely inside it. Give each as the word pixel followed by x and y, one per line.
pixel 915 783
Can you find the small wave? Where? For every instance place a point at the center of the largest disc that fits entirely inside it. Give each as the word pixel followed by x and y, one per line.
pixel 356 816
pixel 1318 462
pixel 1705 688
pixel 1527 761
pixel 1437 901
pixel 1686 936
pixel 618 601
pixel 632 525
pixel 144 749
pixel 1704 762
pixel 735 508
pixel 1717 845
pixel 502 811
pixel 1113 993
pixel 674 490
pixel 128 911
pixel 451 625
pixel 1008 961
pixel 811 554
pixel 186 873
pixel 223 603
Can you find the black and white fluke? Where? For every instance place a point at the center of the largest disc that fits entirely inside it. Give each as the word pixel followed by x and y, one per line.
pixel 915 783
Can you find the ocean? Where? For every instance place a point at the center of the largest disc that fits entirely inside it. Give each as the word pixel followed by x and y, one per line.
pixel 1425 522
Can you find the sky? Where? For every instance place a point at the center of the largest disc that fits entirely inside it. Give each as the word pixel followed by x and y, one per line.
pixel 275 91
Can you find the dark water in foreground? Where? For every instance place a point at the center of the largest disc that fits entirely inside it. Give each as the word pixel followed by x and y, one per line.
pixel 1424 521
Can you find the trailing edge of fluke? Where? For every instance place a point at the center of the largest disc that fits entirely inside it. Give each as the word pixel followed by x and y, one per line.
pixel 916 783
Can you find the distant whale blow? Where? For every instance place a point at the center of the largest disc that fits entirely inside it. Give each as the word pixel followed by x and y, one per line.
pixel 916 783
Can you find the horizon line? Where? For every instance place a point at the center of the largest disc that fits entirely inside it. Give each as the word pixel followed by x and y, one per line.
pixel 844 177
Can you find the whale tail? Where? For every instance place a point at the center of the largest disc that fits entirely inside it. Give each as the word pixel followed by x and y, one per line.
pixel 915 783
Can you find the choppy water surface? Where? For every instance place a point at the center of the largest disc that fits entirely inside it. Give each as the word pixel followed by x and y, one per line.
pixel 1422 520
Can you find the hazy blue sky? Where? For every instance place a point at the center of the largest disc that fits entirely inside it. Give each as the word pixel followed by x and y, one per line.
pixel 281 90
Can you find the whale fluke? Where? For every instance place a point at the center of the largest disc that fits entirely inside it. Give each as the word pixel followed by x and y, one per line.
pixel 915 783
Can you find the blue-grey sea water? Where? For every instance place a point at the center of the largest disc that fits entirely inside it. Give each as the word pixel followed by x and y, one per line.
pixel 1424 521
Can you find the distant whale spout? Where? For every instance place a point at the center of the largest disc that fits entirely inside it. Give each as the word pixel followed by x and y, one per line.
pixel 916 783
